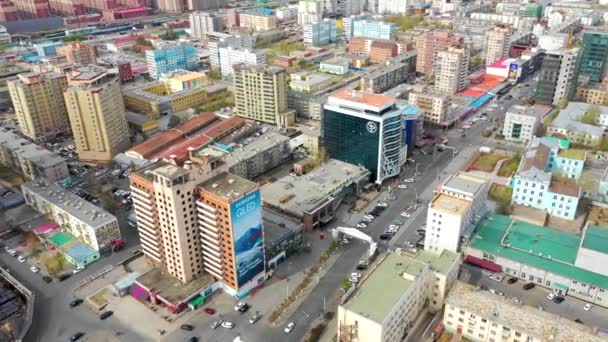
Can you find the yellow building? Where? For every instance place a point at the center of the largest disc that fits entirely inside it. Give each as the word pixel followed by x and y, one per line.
pixel 258 21
pixel 97 114
pixel 594 94
pixel 180 80
pixel 39 106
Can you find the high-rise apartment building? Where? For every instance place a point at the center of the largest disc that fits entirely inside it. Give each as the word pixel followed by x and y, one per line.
pixel 260 93
pixel 345 8
pixel 97 114
pixel 218 40
pixel 373 29
pixel 229 210
pixel 497 43
pixel 434 105
pixel 309 11
pixel 320 33
pixel 593 56
pixel 171 56
pixel 8 11
pixel 39 106
pixel 32 9
pixel 348 23
pixel 202 23
pixel 429 44
pixel 365 129
pixel 395 6
pixel 229 57
pixel 79 53
pixel 257 21
pixel 452 69
pixel 558 75
pixel 179 6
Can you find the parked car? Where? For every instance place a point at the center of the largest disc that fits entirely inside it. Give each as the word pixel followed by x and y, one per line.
pixel 406 214
pixel 193 339
pixel 77 336
pixel 256 317
pixel 77 270
pixel 64 276
pixel 401 186
pixel 408 180
pixel 21 258
pixel 421 232
pixel 497 277
pixel 47 279
pixel 361 225
pixel 386 236
pixel 578 320
pixel 393 226
pixel 559 299
pixel 75 302
pixel 512 281
pixel 382 204
pixel 410 244
pixel 355 275
pixel 289 327
pixel 105 315
pixel 187 327
pixel 239 305
pixel 551 296
pixel 227 325
pixel 209 311
pixel 529 286
pixel 34 269
pixel 587 307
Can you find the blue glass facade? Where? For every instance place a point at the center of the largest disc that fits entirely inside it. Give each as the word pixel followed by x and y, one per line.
pixel 171 57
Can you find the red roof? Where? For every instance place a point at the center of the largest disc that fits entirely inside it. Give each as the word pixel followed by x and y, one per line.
pixel 498 63
pixel 134 38
pixel 196 123
pixel 156 143
pixel 133 10
pixel 221 129
pixel 477 89
pixel 180 149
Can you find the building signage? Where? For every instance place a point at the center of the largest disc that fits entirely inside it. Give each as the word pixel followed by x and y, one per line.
pixel 371 127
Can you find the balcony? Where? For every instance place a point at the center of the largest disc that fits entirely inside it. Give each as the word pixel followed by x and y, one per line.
pixel 151 250
pixel 211 245
pixel 209 221
pixel 151 256
pixel 207 207
pixel 215 262
pixel 146 223
pixel 137 203
pixel 214 273
pixel 208 251
pixel 143 231
pixel 142 215
pixel 209 233
pixel 207 214
pixel 141 199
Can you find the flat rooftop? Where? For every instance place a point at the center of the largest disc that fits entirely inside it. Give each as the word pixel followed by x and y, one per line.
pixel 376 100
pixel 541 325
pixel 256 146
pixel 74 205
pixel 171 288
pixel 169 171
pixel 595 238
pixel 228 186
pixel 441 263
pixel 450 205
pixel 278 226
pixel 464 183
pixel 28 150
pixel 540 247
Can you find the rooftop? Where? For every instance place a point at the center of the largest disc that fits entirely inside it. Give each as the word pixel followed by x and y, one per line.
pixel 72 204
pixel 572 153
pixel 572 190
pixel 537 246
pixel 595 238
pixel 170 288
pixel 362 97
pixel 569 119
pixel 450 205
pixel 87 73
pixel 228 186
pixel 541 325
pixel 142 92
pixel 525 111
pixel 441 263
pixel 464 183
pixel 278 226
pixel 169 171
pixel 25 149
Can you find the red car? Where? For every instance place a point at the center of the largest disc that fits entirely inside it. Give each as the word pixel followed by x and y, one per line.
pixel 210 311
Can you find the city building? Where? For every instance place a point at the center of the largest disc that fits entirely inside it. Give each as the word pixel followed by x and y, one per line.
pixel 428 46
pixel 521 124
pixel 497 43
pixel 79 53
pixel 32 9
pixel 557 78
pixel 260 94
pixel 555 18
pixel 566 263
pixel 382 51
pixel 365 129
pixel 372 29
pixel 335 66
pixel 454 212
pixel 320 33
pixel 258 20
pixel 218 40
pixel 287 13
pixel 75 215
pixel 97 114
pixel 395 6
pixel 433 104
pixel 39 106
pixel 233 18
pixel 8 12
pixel 259 156
pixel 348 23
pixel 568 124
pixel 48 49
pixel 397 71
pixel 593 93
pixel 308 82
pixel 202 23
pixel 230 57
pixel 593 55
pixel 452 69
pixel 553 41
pixel 283 237
pixel 29 159
pixel 232 233
pixel 175 6
pixel 481 316
pixel 309 11
pixel 179 80
pixel 314 197
pixel 168 56
pixel 408 284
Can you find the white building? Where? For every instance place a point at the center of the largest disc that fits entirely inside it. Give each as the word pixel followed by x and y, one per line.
pixel 522 24
pixel 386 303
pixel 230 57
pixel 433 104
pixel 348 23
pixel 497 43
pixel 521 124
pixel 351 7
pixel 309 11
pixel 287 13
pixel 452 69
pixel 202 23
pixel 555 19
pixel 454 212
pixel 481 316
pixel 320 33
pixel 395 6
pixel 553 41
pixel 219 40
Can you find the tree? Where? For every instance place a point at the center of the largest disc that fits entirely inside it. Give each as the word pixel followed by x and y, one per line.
pixel 475 62
pixel 591 116
pixel 170 35
pixel 214 74
pixel 174 121
pixel 74 38
pixel 144 42
pixel 405 22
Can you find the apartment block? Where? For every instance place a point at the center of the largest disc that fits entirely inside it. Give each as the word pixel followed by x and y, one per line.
pixel 395 6
pixel 8 12
pixel 382 51
pixel 454 212
pixel 320 33
pixel 309 11
pixel 497 43
pixel 593 94
pixel 229 57
pixel 32 9
pixel 396 71
pixel 97 114
pixel 257 21
pixel 568 124
pixel 452 69
pixel 428 46
pixel 30 160
pixel 48 49
pixel 169 56
pixel 557 78
pixel 521 124
pixel 407 283
pixel 79 53
pixel 434 105
pixel 229 211
pixel 261 94
pixel 39 105
pixel 218 40
pixel 372 29
pixel 287 13
pixel 67 7
pixel 593 56
pixel 202 23
pixel 348 23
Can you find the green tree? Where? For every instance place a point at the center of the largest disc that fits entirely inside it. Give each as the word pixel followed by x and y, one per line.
pixel 475 62
pixel 214 74
pixel 406 22
pixel 170 35
pixel 74 38
pixel 144 42
pixel 174 121
pixel 591 116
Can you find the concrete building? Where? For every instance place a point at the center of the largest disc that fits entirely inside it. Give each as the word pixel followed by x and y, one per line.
pixel 30 160
pixel 308 82
pixel 364 129
pixel 202 23
pixel 521 124
pixel 397 71
pixel 396 6
pixel 382 51
pixel 348 23
pixel 287 13
pixel 168 56
pixel 97 114
pixel 32 9
pixel 593 94
pixel 230 57
pixel 428 46
pixel 48 49
pixel 218 40
pixel 92 224
pixel 8 12
pixel 261 155
pixel 553 41
pixel 320 33
pixel 593 56
pixel 407 283
pixel 555 18
pixel 257 21
pixel 314 198
pixel 497 43
pixel 452 69
pixel 79 53
pixel 260 94
pixel 568 124
pixel 454 212
pixel 335 66
pixel 557 79
pixel 232 233
pixel 309 11
pixel 481 316
pixel 180 80
pixel 283 237
pixel 39 106
pixel 433 104
pixel 372 29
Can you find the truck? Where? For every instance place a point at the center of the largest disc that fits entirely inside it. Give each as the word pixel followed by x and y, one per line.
pixel 485 149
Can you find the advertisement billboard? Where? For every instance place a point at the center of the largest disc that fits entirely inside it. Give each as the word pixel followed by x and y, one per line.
pixel 513 68
pixel 246 217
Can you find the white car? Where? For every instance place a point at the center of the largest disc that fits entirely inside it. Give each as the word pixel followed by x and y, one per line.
pixel 408 180
pixel 497 277
pixel 34 269
pixel 289 327
pixel 21 258
pixel 371 217
pixel 551 296
pixel 227 325
pixel 402 186
pixel 393 226
pixel 406 214
pixel 11 252
pixel 587 307
pixel 77 270
pixel 239 305
pixel 361 225
pixel 355 275
pixel 410 244
pixel 382 204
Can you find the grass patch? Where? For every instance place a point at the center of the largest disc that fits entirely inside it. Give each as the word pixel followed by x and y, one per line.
pixel 487 161
pixel 509 167
pixel 10 176
pixel 501 193
pixel 598 216
pixel 573 153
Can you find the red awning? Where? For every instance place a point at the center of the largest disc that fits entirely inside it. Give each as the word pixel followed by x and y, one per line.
pixel 487 264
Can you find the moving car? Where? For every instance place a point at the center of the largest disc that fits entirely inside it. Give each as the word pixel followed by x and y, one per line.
pixel 408 180
pixel 239 305
pixel 21 258
pixel 587 307
pixel 34 269
pixel 187 327
pixel 402 186
pixel 529 286
pixel 512 281
pixel 209 311
pixel 256 317
pixel 106 315
pixel 382 204
pixel 406 214
pixel 75 302
pixel 77 336
pixel 361 225
pixel 227 325
pixel 551 296
pixel 289 327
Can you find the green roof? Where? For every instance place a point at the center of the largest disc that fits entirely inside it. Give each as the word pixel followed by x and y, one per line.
pixel 439 263
pixel 572 153
pixel 61 239
pixel 379 293
pixel 539 247
pixel 563 143
pixel 596 238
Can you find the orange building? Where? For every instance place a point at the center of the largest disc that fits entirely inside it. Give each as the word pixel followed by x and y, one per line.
pixel 382 51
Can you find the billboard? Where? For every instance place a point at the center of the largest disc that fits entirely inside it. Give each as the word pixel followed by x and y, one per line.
pixel 246 217
pixel 513 69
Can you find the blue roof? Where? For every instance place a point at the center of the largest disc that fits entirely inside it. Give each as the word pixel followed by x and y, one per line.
pixel 410 110
pixel 478 102
pixel 32 58
pixel 81 252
